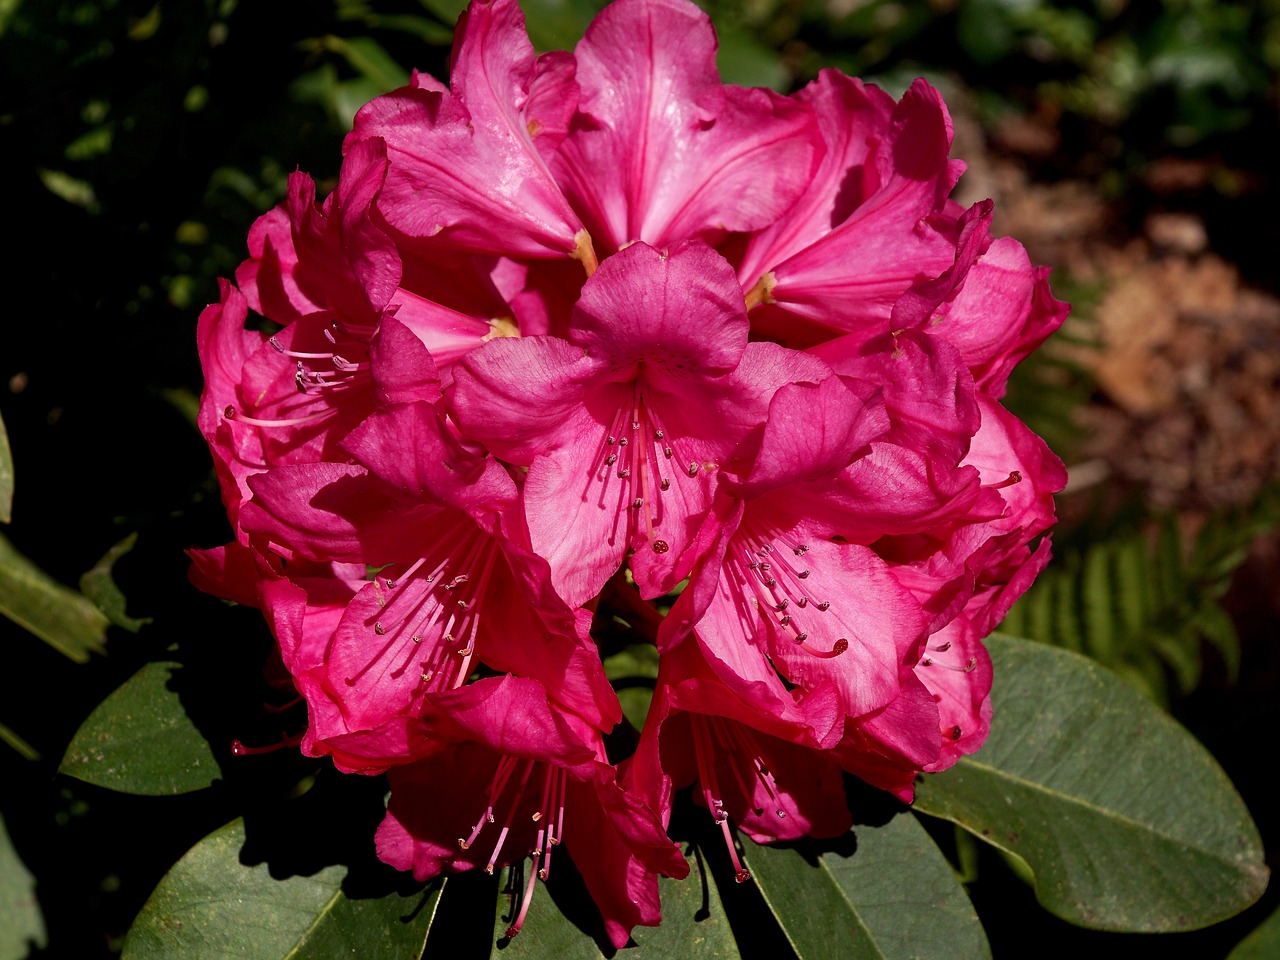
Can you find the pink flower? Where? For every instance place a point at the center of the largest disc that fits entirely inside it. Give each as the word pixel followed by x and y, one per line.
pixel 523 779
pixel 625 425
pixel 455 590
pixel 581 331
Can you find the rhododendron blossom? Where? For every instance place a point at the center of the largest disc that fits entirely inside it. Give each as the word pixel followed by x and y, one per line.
pixel 590 349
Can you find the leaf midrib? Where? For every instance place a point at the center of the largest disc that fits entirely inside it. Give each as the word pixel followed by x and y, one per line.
pixel 1104 812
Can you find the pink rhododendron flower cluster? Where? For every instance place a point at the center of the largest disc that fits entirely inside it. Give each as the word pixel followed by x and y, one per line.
pixel 589 344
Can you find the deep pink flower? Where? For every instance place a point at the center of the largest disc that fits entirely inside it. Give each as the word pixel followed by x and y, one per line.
pixel 660 150
pixel 455 588
pixel 756 763
pixel 467 163
pixel 519 779
pixel 578 327
pixel 625 425
pixel 869 225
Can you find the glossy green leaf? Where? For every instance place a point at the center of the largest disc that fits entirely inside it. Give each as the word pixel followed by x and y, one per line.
pixel 1125 820
pixel 58 615
pixel 693 919
pixel 97 584
pixel 21 922
pixel 894 896
pixel 546 931
pixel 6 476
pixel 693 924
pixel 210 905
pixel 1262 944
pixel 140 740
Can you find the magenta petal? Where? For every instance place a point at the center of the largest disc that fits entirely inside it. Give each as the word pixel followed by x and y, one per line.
pixel 402 368
pixel 445 146
pixel 957 670
pixel 524 397
pixel 852 118
pixel 225 346
pixel 267 277
pixel 890 746
pixel 848 279
pixel 231 572
pixel 825 613
pixel 929 394
pixel 679 312
pixel 813 431
pixel 328 238
pixel 411 447
pixel 662 152
pixel 325 511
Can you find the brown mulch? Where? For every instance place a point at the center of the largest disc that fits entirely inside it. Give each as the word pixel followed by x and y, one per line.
pixel 1185 356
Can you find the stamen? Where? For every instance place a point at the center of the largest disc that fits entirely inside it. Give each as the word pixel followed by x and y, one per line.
pixel 500 777
pixel 238 749
pixel 1015 476
pixel 506 826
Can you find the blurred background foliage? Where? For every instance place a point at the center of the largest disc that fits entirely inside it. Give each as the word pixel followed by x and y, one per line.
pixel 138 142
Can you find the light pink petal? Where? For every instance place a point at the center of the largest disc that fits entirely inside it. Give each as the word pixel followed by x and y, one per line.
pixel 824 612
pixel 919 304
pixel 1004 312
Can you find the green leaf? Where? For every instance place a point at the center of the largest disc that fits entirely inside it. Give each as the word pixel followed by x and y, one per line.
pixel 633 670
pixel 558 24
pixel 1262 944
pixel 693 919
pixel 210 905
pixel 546 931
pixel 895 896
pixel 368 58
pixel 634 660
pixel 140 740
pixel 1217 627
pixel 1125 819
pixel 693 924
pixel 58 615
pixel 21 922
pixel 6 476
pixel 743 60
pixel 635 703
pixel 99 587
pixel 1099 610
pixel 20 746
